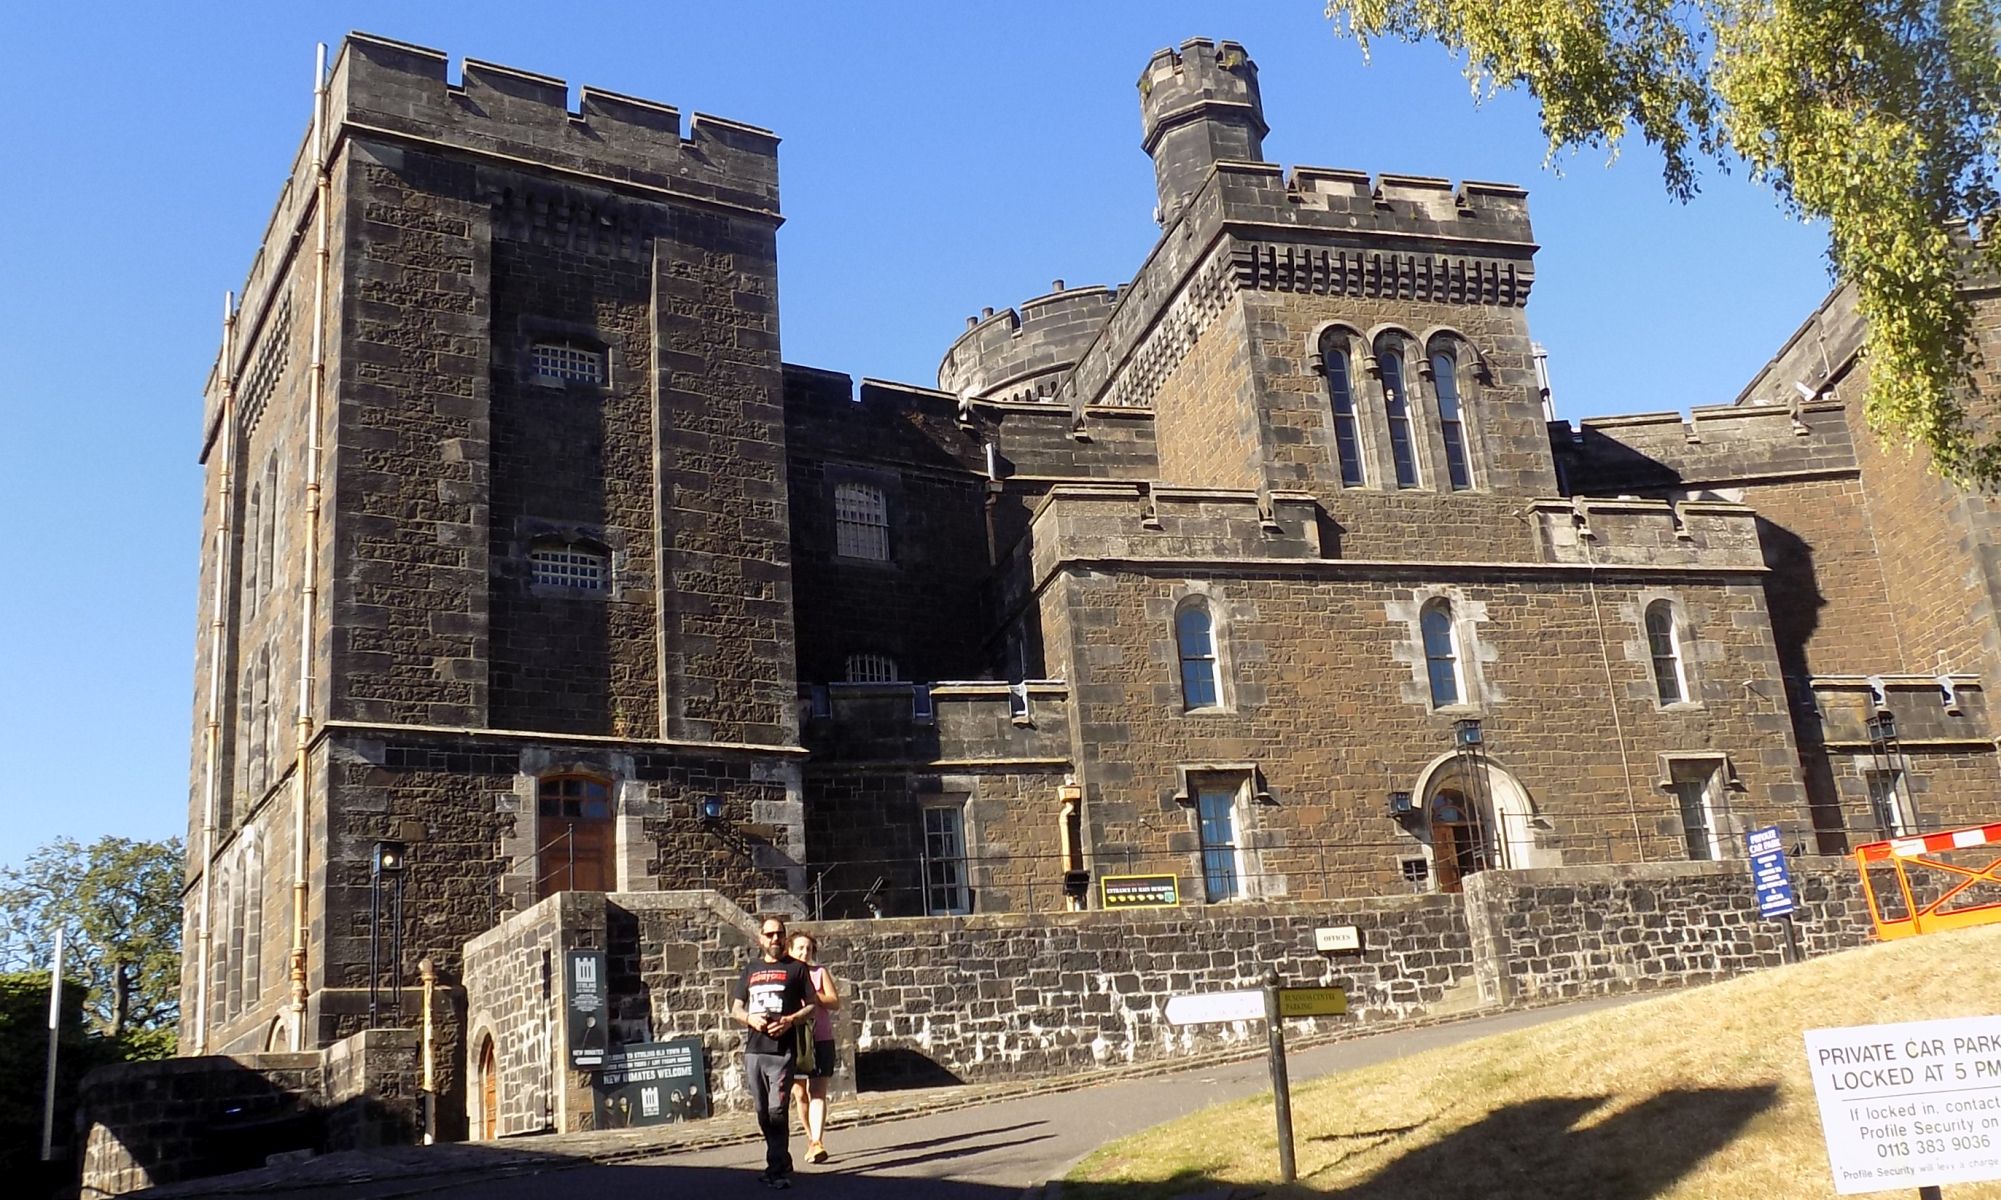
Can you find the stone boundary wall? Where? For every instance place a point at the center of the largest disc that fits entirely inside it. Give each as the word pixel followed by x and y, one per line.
pixel 982 998
pixel 152 1123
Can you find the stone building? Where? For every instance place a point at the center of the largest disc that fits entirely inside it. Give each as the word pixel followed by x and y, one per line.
pixel 531 567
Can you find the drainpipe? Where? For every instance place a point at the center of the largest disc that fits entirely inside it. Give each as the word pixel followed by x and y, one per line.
pixel 1612 693
pixel 225 498
pixel 309 578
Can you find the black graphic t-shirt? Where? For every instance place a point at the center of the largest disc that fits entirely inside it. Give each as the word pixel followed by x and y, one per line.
pixel 774 989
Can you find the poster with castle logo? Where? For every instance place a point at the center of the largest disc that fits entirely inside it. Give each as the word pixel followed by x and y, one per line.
pixel 653 1083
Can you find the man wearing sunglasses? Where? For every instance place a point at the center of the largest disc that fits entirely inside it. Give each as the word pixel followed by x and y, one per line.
pixel 771 999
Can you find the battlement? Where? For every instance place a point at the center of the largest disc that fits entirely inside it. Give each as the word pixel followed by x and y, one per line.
pixel 1355 205
pixel 1132 522
pixel 1198 78
pixel 394 87
pixel 1696 534
pixel 1021 355
pixel 1713 446
pixel 1199 105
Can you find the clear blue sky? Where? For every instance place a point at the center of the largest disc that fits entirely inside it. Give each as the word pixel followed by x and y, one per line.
pixel 937 157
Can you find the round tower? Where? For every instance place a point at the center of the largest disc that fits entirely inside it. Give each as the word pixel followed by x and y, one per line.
pixel 1198 105
pixel 1023 355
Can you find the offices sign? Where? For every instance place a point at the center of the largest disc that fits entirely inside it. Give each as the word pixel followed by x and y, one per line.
pixel 1915 1104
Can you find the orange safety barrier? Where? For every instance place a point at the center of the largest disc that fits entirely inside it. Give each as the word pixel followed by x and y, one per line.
pixel 1905 901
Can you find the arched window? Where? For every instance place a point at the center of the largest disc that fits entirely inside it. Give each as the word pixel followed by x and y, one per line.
pixel 1441 654
pixel 1445 385
pixel 1664 646
pixel 861 522
pixel 253 922
pixel 253 523
pixel 1341 397
pixel 267 538
pixel 574 833
pixel 563 362
pixel 872 668
pixel 573 564
pixel 1396 406
pixel 220 906
pixel 1195 640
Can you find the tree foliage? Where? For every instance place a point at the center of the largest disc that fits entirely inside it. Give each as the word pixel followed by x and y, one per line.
pixel 118 904
pixel 1880 117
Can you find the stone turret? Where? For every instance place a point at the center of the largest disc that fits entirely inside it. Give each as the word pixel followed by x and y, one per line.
pixel 1199 105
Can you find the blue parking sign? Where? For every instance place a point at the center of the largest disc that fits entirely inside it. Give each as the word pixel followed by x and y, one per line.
pixel 1769 873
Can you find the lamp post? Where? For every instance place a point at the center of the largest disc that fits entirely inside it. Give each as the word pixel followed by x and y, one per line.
pixel 385 871
pixel 1469 748
pixel 1887 749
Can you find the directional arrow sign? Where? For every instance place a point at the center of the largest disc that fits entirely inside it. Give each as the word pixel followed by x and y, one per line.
pixel 1211 1008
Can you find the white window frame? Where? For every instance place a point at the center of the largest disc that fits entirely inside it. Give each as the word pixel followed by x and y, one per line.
pixel 861 522
pixel 561 362
pixel 576 566
pixel 948 893
pixel 1211 661
pixel 869 667
pixel 1886 792
pixel 1231 795
pixel 1697 785
pixel 1675 657
pixel 1456 653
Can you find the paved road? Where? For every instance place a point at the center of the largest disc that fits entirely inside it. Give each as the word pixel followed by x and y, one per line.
pixel 987 1153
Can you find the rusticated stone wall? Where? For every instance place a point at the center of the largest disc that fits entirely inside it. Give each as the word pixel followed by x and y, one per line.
pixel 939 999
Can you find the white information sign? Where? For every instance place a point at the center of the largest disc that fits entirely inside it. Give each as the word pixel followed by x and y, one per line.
pixel 1916 1104
pixel 1208 1008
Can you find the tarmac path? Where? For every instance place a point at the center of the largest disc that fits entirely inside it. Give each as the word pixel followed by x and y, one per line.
pixel 990 1152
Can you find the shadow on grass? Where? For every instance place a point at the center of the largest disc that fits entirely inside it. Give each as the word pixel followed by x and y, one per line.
pixel 1538 1150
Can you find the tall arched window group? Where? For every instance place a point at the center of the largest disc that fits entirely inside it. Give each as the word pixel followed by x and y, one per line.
pixel 1406 421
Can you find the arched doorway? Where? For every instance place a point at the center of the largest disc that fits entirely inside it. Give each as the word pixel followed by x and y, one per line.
pixel 1461 843
pixel 1478 821
pixel 489 1093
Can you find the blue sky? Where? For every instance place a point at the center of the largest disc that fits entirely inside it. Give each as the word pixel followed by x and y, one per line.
pixel 937 158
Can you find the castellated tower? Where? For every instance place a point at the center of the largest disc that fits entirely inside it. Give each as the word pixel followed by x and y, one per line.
pixel 1199 106
pixel 507 460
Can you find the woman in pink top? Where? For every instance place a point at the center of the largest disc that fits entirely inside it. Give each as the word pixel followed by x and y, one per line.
pixel 810 1090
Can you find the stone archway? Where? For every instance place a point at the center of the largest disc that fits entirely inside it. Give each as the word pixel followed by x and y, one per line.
pixel 486 1125
pixel 1478 824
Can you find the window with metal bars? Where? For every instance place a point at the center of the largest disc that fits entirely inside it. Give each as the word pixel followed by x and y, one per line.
pixel 569 565
pixel 871 668
pixel 567 362
pixel 861 522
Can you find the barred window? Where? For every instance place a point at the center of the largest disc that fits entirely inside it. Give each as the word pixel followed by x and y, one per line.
pixel 570 565
pixel 567 362
pixel 871 668
pixel 861 522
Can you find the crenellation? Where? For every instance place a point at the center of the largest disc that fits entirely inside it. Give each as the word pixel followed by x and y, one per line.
pixel 392 87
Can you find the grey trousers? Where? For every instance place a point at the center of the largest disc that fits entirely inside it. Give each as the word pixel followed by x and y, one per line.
pixel 768 1077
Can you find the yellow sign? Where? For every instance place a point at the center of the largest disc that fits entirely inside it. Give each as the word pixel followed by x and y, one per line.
pixel 1312 1002
pixel 1140 891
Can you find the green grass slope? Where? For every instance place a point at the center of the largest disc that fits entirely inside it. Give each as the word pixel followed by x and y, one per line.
pixel 1699 1095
